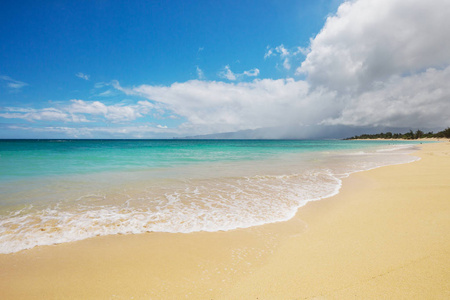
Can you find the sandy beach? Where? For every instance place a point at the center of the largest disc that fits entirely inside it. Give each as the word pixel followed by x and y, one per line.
pixel 386 235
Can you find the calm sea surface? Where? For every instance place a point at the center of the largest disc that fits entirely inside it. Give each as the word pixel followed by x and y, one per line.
pixel 55 191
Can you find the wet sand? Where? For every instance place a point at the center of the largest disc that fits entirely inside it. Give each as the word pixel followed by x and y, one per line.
pixel 385 235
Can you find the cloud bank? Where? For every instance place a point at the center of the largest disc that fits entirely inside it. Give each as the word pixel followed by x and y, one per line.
pixel 79 111
pixel 368 41
pixel 214 106
pixel 374 63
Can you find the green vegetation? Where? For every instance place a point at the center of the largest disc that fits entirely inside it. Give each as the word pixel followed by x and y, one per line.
pixel 406 136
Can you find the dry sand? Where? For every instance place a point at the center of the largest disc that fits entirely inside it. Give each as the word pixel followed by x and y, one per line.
pixel 386 235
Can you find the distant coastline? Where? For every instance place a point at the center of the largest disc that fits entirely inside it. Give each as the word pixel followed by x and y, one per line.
pixel 411 135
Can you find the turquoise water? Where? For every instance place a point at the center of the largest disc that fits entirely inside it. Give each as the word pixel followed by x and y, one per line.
pixel 28 158
pixel 54 191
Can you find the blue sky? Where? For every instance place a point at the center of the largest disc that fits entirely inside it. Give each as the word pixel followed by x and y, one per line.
pixel 146 69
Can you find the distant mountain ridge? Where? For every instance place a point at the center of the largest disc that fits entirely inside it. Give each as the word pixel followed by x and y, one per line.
pixel 301 132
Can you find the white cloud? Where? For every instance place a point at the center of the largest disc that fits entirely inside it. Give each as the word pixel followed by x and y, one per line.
pixel 282 51
pixel 268 53
pixel 230 75
pixel 100 85
pixel 161 126
pixel 286 64
pixel 18 109
pixel 16 84
pixel 113 113
pixel 122 113
pixel 211 106
pixel 48 114
pixel 80 106
pixel 370 40
pixel 251 73
pixel 107 93
pixel 84 111
pixel 417 100
pixel 12 115
pixel 286 55
pixel 12 83
pixel 45 114
pixel 82 76
pixel 388 61
pixel 200 74
pixel 143 131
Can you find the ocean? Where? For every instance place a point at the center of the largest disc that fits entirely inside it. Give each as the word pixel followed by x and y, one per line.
pixel 56 191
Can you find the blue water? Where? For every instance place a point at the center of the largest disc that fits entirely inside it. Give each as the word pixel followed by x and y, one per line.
pixel 28 158
pixel 54 191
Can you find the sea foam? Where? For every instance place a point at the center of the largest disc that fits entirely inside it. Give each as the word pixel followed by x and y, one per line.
pixel 213 197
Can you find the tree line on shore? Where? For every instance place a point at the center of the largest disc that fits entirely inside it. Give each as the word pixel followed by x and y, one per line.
pixel 411 135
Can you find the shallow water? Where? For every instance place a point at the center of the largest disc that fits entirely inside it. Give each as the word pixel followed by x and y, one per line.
pixel 60 191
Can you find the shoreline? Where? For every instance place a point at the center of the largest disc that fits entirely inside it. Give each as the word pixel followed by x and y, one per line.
pixel 261 195
pixel 376 237
pixel 443 140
